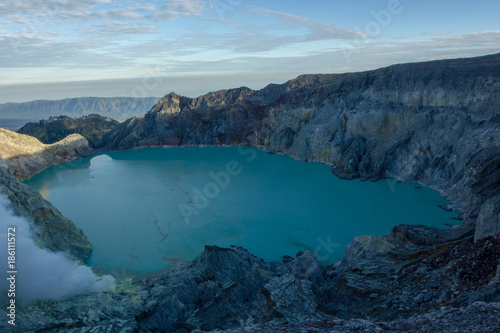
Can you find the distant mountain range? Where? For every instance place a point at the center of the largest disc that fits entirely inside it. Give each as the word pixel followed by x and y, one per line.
pixel 15 115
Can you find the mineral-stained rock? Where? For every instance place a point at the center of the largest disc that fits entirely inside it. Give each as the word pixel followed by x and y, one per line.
pixel 24 157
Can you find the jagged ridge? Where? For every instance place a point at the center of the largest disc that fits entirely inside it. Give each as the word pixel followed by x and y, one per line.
pixel 435 123
pixel 415 282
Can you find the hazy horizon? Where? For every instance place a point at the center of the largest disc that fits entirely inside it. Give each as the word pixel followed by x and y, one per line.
pixel 131 87
pixel 134 87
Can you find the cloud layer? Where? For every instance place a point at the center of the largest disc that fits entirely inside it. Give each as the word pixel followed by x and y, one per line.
pixel 61 40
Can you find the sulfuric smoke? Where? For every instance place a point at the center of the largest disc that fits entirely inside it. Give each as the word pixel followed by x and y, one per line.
pixel 42 274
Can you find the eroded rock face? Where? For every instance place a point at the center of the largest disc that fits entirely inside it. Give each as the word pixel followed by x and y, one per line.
pixel 24 157
pixel 434 123
pixel 27 156
pixel 488 221
pixel 50 228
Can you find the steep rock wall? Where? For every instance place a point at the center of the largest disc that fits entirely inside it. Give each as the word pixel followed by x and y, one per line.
pixel 435 123
pixel 50 228
pixel 21 157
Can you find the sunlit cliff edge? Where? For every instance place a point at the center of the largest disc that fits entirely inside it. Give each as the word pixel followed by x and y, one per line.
pixel 27 156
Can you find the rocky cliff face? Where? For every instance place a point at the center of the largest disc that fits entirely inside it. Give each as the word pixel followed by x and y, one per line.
pixel 21 157
pixel 91 127
pixel 50 228
pixel 27 156
pixel 435 123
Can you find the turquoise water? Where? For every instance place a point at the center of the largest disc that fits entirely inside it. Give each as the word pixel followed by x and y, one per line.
pixel 145 209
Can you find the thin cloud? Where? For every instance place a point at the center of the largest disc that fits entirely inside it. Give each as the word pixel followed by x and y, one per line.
pixel 488 38
pixel 40 12
pixel 178 8
pixel 35 52
pixel 377 53
pixel 119 28
pixel 317 30
pixel 437 42
pixel 44 7
pixel 99 38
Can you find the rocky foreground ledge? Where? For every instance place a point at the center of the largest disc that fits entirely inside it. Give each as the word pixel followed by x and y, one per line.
pixel 414 279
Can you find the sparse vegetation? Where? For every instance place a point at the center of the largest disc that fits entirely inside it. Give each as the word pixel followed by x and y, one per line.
pixel 92 127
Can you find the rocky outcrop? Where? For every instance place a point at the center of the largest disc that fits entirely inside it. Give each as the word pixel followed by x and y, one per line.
pixel 434 123
pixel 27 156
pixel 92 127
pixel 488 221
pixel 50 228
pixel 419 283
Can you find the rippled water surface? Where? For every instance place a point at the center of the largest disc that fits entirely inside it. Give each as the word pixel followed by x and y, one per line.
pixel 145 209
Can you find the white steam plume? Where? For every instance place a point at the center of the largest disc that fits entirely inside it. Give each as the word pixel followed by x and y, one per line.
pixel 42 274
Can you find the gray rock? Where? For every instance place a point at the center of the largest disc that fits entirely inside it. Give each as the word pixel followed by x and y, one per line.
pixel 488 220
pixel 50 228
pixel 230 290
pixel 292 295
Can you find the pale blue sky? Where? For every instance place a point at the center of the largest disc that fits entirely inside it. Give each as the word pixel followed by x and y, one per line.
pixel 52 49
